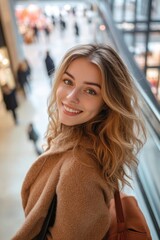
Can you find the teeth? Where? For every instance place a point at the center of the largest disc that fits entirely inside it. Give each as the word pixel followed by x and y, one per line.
pixel 71 110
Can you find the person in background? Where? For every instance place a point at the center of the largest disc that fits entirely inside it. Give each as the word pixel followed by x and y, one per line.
pixel 33 136
pixel 50 66
pixel 36 32
pixel 47 32
pixel 22 77
pixel 28 69
pixel 76 29
pixel 62 23
pixel 53 19
pixel 95 131
pixel 10 100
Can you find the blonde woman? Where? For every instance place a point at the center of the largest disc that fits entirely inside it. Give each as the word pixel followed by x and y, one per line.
pixel 94 132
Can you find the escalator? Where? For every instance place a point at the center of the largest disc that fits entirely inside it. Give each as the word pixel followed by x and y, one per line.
pixel 147 177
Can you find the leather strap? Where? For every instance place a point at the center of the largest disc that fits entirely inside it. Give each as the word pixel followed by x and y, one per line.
pixel 119 214
pixel 118 207
pixel 49 220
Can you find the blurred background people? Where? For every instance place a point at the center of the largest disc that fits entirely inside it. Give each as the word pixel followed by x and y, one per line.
pixel 47 32
pixel 50 65
pixel 36 33
pixel 76 29
pixel 33 136
pixel 53 20
pixel 10 100
pixel 28 69
pixel 62 23
pixel 22 77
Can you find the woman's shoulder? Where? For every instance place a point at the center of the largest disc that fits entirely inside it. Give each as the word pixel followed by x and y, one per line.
pixel 81 164
pixel 34 169
pixel 79 170
pixel 80 157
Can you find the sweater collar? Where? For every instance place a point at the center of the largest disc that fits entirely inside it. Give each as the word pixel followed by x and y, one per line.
pixel 63 146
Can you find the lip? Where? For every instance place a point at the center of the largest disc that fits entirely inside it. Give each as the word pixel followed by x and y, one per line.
pixel 70 110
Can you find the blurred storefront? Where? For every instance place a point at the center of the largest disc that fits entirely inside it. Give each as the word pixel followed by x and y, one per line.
pixel 29 17
pixel 43 15
pixel 10 45
pixel 6 73
pixel 139 20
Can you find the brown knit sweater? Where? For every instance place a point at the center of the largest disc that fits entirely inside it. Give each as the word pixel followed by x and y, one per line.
pixel 83 197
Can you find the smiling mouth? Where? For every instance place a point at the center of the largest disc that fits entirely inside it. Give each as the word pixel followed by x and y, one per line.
pixel 71 110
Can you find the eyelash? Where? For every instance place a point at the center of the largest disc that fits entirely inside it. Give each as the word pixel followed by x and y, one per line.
pixel 89 91
pixel 67 82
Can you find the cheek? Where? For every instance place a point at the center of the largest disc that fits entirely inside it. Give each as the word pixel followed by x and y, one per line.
pixel 59 93
pixel 95 107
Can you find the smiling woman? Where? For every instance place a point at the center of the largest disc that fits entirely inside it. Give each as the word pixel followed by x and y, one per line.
pixel 79 97
pixel 95 130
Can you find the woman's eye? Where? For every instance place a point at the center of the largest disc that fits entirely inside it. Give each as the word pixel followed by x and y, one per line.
pixel 67 82
pixel 91 91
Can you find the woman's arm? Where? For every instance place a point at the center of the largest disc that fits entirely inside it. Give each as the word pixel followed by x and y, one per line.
pixel 82 211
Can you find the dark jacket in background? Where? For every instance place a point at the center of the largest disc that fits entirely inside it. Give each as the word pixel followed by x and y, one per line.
pixel 32 134
pixel 50 66
pixel 22 77
pixel 10 100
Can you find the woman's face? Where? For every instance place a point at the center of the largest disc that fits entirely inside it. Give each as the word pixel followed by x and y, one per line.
pixel 78 95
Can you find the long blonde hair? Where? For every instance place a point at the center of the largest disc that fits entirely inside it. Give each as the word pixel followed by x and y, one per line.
pixel 117 133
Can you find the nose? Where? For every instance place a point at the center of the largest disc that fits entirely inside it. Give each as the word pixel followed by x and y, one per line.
pixel 73 96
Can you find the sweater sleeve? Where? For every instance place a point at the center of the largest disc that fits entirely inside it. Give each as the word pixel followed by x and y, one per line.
pixel 82 211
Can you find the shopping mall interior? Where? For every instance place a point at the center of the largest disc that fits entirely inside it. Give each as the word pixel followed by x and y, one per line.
pixel 28 29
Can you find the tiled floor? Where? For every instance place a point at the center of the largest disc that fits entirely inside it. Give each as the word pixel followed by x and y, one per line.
pixel 16 151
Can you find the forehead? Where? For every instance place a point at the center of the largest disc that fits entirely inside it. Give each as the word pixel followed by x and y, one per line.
pixel 84 68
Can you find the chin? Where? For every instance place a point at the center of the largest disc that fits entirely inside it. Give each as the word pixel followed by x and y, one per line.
pixel 69 124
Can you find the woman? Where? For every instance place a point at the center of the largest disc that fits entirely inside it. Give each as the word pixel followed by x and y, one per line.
pixel 93 134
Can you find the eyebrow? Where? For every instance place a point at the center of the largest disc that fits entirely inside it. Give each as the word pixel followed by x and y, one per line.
pixel 69 74
pixel 88 83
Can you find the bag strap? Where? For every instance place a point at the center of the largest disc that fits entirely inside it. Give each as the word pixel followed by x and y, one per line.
pixel 49 220
pixel 121 225
pixel 118 207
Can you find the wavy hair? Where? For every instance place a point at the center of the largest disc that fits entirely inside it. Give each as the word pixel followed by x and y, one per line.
pixel 117 133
